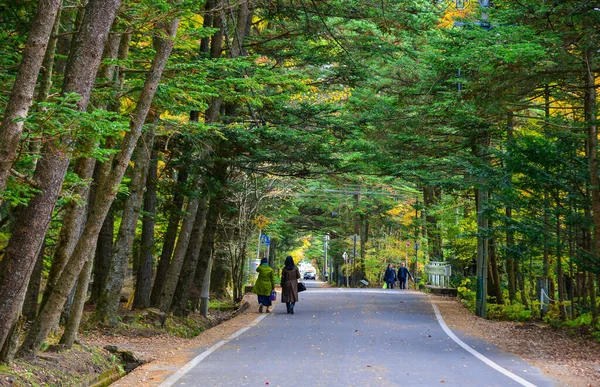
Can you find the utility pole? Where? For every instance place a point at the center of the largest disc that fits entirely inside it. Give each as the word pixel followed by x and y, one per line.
pixel 325 246
pixel 345 256
pixel 417 245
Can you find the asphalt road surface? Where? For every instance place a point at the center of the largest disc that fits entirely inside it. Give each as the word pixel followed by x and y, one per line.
pixel 354 337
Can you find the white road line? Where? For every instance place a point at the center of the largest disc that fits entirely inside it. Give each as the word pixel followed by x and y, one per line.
pixel 195 361
pixel 478 355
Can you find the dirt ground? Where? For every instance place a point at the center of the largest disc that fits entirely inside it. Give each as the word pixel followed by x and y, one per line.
pixel 570 360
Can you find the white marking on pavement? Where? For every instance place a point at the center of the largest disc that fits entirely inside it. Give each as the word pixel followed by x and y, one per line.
pixel 478 355
pixel 195 361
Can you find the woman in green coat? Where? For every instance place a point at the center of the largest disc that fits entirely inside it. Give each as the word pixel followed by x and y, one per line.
pixel 265 284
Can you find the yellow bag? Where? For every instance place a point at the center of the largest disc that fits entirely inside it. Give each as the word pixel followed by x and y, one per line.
pixel 385 285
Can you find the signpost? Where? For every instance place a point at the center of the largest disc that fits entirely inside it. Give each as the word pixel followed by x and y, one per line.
pixel 260 222
pixel 345 256
pixel 417 245
pixel 325 246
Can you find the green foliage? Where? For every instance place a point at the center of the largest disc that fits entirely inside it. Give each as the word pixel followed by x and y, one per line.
pixel 466 289
pixel 510 312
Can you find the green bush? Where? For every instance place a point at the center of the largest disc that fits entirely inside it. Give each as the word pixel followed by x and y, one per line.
pixel 512 312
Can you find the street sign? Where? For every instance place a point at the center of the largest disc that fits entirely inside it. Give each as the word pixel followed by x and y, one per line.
pixel 437 269
pixel 265 240
pixel 345 255
pixel 355 238
pixel 261 221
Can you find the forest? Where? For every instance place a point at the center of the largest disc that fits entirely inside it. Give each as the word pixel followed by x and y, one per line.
pixel 149 144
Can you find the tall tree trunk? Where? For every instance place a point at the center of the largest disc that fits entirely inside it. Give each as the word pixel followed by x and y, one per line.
pixel 32 224
pixel 87 242
pixel 21 96
pixel 30 307
pixel 48 61
pixel 72 224
pixel 186 279
pixel 143 283
pixel 174 270
pixel 66 34
pixel 103 255
pixel 72 325
pixel 169 238
pixel 206 249
pixel 496 288
pixel 559 269
pixel 590 112
pixel 108 305
pixel 431 197
pixel 510 234
pixel 521 283
pixel 482 252
pixel 207 23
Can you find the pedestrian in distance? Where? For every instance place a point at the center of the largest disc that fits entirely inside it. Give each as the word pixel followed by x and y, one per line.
pixel 289 284
pixel 265 284
pixel 403 275
pixel 390 276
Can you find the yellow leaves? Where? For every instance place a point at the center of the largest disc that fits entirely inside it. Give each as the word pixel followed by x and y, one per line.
pixel 166 115
pixel 315 94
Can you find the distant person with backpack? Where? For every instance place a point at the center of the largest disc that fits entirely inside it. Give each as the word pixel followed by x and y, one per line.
pixel 403 275
pixel 390 276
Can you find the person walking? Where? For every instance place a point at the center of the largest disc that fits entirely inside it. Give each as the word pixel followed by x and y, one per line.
pixel 289 284
pixel 265 284
pixel 403 274
pixel 390 276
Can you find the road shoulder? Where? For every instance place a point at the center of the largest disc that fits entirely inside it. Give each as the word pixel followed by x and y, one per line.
pixel 570 360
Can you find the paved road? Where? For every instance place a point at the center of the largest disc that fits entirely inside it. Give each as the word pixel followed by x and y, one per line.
pixel 355 337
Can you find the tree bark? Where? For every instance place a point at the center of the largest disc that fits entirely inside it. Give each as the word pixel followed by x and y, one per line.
pixel 48 61
pixel 496 287
pixel 72 326
pixel 87 242
pixel 104 251
pixel 32 224
pixel 431 197
pixel 30 307
pixel 174 270
pixel 72 224
pixel 206 248
pixel 143 283
pixel 510 234
pixel 590 112
pixel 108 304
pixel 21 96
pixel 559 270
pixel 190 263
pixel 169 239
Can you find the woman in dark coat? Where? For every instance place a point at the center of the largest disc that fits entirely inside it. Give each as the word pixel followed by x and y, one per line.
pixel 289 284
pixel 390 276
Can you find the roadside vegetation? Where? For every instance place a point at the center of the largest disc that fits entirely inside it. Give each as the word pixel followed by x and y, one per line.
pixel 145 146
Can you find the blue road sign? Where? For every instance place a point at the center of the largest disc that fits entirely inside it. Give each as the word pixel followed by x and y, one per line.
pixel 265 240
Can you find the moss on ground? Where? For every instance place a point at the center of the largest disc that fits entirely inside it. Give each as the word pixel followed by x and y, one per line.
pixel 78 366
